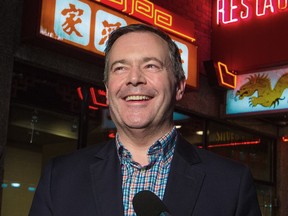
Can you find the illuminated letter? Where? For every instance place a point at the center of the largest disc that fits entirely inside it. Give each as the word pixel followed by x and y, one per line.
pixel 94 98
pixel 282 6
pixel 220 10
pixel 245 12
pixel 232 8
pixel 265 6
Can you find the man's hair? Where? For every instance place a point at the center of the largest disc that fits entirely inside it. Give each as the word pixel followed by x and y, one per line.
pixel 174 53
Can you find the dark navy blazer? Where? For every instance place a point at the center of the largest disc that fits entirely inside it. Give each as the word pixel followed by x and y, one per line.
pixel 200 183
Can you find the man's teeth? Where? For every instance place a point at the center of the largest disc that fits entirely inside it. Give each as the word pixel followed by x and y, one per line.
pixel 137 98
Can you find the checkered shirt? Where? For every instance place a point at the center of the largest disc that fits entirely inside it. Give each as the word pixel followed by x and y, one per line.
pixel 152 177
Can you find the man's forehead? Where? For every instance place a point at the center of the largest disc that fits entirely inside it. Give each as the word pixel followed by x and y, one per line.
pixel 138 35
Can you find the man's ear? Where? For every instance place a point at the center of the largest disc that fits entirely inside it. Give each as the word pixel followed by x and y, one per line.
pixel 180 89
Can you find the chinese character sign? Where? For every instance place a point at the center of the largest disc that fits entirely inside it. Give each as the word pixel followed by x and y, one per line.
pixel 87 25
pixel 105 24
pixel 72 21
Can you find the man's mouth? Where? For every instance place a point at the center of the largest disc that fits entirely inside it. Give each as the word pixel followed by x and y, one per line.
pixel 137 98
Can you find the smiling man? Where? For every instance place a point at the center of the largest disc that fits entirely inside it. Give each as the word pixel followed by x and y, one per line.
pixel 144 79
pixel 142 90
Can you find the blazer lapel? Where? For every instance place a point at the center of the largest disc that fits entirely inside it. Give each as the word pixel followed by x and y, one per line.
pixel 184 181
pixel 107 182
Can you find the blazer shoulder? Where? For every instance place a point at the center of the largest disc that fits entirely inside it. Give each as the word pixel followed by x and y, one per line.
pixel 85 155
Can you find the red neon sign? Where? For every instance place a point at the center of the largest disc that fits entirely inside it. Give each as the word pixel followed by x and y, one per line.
pixel 254 142
pixel 284 138
pixel 232 11
pixel 111 135
pixel 96 97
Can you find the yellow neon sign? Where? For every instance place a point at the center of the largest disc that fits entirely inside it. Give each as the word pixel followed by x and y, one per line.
pixel 149 12
pixel 227 78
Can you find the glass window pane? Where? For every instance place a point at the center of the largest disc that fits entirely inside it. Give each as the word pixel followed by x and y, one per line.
pixel 43 123
pixel 254 150
pixel 191 127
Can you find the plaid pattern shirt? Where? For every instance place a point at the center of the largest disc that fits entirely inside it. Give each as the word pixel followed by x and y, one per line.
pixel 152 177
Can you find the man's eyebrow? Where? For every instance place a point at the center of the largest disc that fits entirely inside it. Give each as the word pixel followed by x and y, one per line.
pixel 144 60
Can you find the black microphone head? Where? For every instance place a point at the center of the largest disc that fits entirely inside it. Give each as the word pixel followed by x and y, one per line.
pixel 146 203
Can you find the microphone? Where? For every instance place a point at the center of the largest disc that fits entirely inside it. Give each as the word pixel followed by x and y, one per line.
pixel 146 203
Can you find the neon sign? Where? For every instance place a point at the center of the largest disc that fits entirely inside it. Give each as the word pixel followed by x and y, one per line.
pixel 87 24
pixel 227 78
pixel 234 144
pixel 232 11
pixel 97 97
pixel 284 138
pixel 154 15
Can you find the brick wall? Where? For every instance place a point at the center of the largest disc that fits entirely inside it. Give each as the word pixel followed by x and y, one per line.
pixel 204 100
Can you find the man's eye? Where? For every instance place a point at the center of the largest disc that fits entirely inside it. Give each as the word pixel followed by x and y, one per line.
pixel 152 66
pixel 120 68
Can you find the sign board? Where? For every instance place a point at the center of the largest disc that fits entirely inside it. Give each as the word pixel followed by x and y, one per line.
pixel 148 12
pixel 233 11
pixel 87 25
pixel 259 92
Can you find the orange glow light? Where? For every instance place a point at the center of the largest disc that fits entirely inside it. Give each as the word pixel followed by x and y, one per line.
pixel 284 138
pixel 225 76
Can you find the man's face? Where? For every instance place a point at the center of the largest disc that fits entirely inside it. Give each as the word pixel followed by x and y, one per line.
pixel 141 88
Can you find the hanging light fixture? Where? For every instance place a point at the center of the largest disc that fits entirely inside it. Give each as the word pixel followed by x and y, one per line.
pixel 34 120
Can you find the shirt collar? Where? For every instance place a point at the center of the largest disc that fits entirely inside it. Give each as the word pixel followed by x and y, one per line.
pixel 164 146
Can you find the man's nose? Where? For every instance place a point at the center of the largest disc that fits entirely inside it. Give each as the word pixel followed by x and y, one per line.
pixel 136 77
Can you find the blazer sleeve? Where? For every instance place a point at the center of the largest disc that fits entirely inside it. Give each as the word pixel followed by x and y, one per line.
pixel 42 203
pixel 248 202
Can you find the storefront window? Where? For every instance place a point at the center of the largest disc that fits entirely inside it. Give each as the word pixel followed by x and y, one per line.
pixel 252 149
pixel 267 201
pixel 45 115
pixel 191 127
